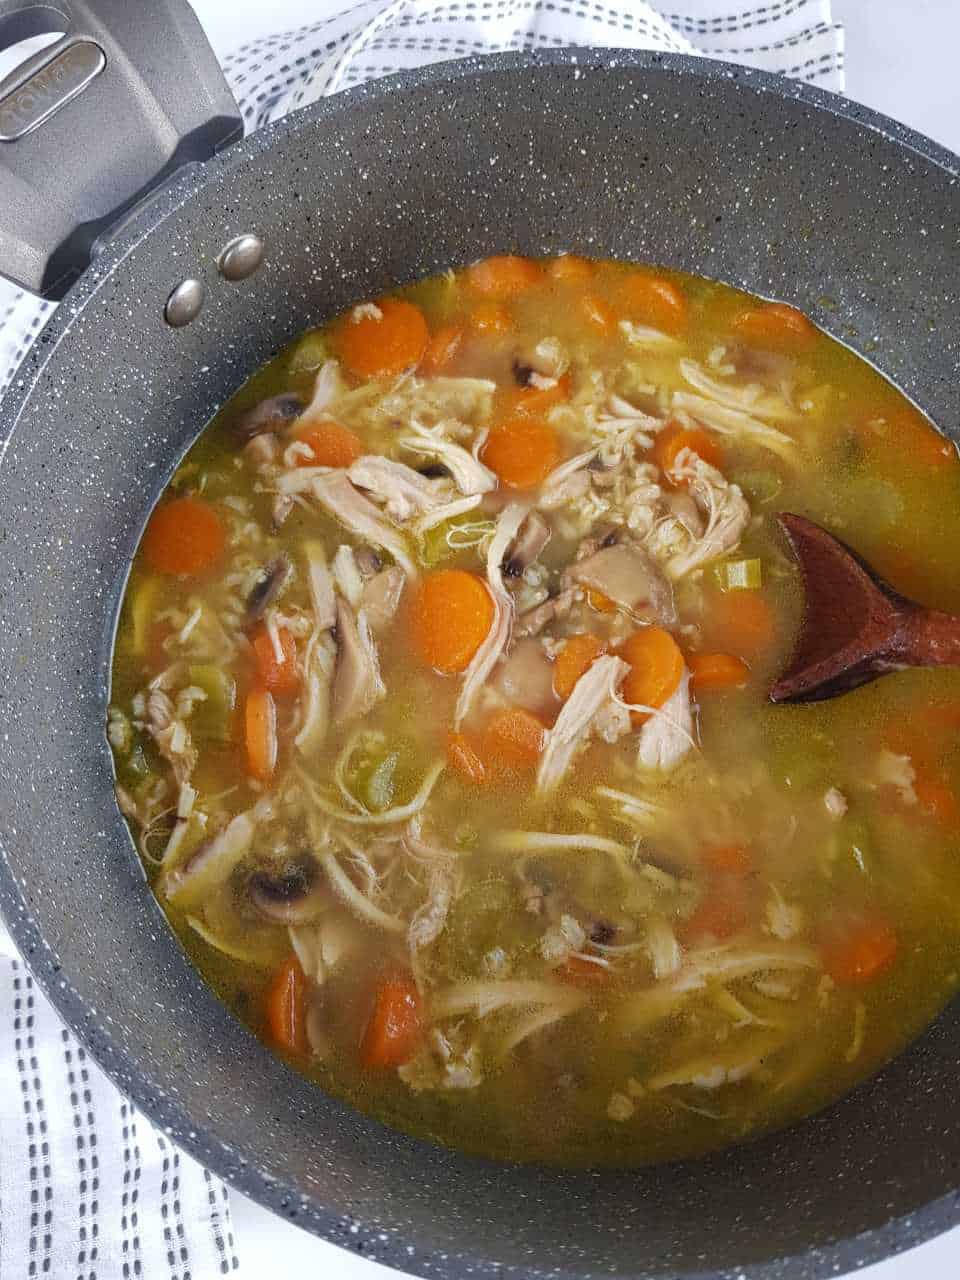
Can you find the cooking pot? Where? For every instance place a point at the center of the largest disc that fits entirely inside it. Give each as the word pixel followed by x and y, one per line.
pixel 769 185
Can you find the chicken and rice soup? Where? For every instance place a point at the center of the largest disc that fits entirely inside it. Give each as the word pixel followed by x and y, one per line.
pixel 439 714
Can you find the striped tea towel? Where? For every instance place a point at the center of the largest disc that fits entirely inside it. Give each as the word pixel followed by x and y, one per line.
pixel 88 1189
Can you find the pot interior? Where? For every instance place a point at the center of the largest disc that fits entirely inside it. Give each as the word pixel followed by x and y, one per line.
pixel 772 188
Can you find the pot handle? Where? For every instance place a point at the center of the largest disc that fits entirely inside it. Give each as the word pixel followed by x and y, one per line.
pixel 93 123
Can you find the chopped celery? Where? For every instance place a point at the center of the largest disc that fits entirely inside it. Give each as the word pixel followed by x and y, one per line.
pixel 135 766
pixel 739 575
pixel 309 353
pixel 141 615
pixel 452 536
pixel 211 718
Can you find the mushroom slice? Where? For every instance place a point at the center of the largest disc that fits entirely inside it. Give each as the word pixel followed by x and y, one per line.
pixel 211 864
pixel 630 578
pixel 293 894
pixel 268 588
pixel 269 415
pixel 380 597
pixel 356 680
pixel 534 535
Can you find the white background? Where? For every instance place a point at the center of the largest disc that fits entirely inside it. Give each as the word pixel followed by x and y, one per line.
pixel 902 58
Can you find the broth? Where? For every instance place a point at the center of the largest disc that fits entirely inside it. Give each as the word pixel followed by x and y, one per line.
pixel 481 817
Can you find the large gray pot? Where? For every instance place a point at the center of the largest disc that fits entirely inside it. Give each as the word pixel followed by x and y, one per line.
pixel 769 185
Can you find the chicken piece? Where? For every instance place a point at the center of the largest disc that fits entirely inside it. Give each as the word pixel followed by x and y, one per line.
pixel 595 689
pixel 724 506
pixel 337 495
pixel 668 735
pixel 356 680
pixel 534 535
pixel 403 491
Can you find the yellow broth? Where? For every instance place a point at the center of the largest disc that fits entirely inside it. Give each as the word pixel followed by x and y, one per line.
pixel 678 957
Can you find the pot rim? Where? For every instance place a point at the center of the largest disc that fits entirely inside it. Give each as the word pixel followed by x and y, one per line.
pixel 149 1095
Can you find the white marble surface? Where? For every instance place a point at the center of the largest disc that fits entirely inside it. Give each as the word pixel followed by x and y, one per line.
pixel 901 59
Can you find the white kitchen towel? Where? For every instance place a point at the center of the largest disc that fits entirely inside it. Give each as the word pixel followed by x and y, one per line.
pixel 88 1189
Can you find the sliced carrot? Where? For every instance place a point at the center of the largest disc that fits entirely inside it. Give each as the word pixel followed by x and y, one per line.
pixel 394 1028
pixel 389 339
pixel 569 269
pixel 859 951
pixel 724 911
pixel 656 668
pixel 599 602
pixel 920 440
pixel 184 536
pixel 464 759
pixel 491 320
pixel 717 671
pixel 279 676
pixel 443 348
pixel 260 720
pixel 451 614
pixel 534 401
pixel 775 326
pixel 673 439
pixel 522 450
pixel 576 656
pixel 744 621
pixel 583 972
pixel 736 859
pixel 513 740
pixel 504 275
pixel 936 799
pixel 286 1007
pixel 655 301
pixel 330 445
pixel 598 313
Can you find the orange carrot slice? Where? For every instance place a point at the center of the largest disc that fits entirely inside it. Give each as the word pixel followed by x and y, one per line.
pixel 573 660
pixel 330 445
pixel 384 342
pixel 286 1008
pixel 656 668
pixel 394 1028
pixel 184 537
pixel 775 326
pixel 859 952
pixel 744 622
pixel 513 740
pixel 504 275
pixel 260 721
pixel 279 676
pixel 654 300
pixel 451 614
pixel 717 671
pixel 522 451
pixel 673 439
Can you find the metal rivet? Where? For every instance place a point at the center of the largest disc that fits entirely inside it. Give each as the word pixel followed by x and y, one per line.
pixel 240 258
pixel 184 303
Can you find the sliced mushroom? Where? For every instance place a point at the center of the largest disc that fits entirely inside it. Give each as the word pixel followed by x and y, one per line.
pixel 368 562
pixel 380 597
pixel 525 677
pixel 534 535
pixel 292 894
pixel 262 450
pixel 631 579
pixel 534 620
pixel 269 415
pixel 356 680
pixel 268 589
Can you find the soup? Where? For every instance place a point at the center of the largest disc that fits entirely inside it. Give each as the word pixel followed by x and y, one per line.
pixel 440 715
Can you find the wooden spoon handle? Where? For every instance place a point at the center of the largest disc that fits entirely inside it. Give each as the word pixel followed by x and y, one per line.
pixel 928 638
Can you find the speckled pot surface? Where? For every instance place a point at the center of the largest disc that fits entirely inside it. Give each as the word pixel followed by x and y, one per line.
pixel 767 184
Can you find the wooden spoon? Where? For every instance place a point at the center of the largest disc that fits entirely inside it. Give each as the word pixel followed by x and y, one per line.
pixel 855 626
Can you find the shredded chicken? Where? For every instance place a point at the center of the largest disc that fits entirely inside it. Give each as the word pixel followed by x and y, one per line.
pixel 724 506
pixel 498 637
pixel 357 684
pixel 403 491
pixel 337 495
pixel 596 688
pixel 668 735
pixel 469 475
